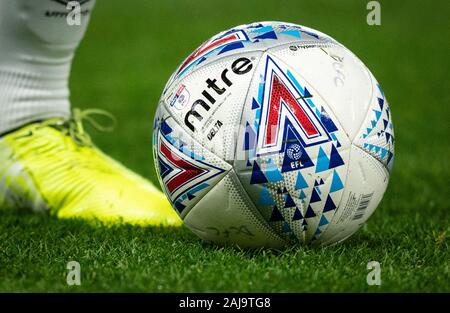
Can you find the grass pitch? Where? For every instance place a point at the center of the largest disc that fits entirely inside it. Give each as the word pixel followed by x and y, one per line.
pixel 122 65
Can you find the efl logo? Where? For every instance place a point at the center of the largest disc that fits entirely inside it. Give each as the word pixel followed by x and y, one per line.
pixel 209 46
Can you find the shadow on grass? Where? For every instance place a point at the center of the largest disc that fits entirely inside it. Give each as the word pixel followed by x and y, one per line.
pixel 44 224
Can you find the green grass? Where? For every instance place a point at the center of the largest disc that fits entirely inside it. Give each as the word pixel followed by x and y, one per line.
pixel 35 251
pixel 122 65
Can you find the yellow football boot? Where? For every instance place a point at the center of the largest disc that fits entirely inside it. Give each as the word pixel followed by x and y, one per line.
pixel 53 166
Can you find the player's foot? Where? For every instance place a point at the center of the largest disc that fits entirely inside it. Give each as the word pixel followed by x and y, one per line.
pixel 53 166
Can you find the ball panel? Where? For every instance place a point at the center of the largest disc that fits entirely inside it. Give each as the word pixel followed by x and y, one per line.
pixel 227 215
pixel 376 135
pixel 366 182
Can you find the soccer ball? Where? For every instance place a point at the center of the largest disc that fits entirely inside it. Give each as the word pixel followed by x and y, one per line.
pixel 271 134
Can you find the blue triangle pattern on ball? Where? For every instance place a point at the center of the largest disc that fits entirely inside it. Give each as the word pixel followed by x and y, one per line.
pixel 165 128
pixel 322 161
pixel 377 114
pixel 201 60
pixel 302 195
pixel 314 196
pixel 388 137
pixel 336 183
pixel 381 103
pixel 329 205
pixel 249 137
pixel 318 113
pixel 323 221
pixel 269 35
pixel 309 212
pixel 179 206
pixel 265 198
pixel 255 104
pixel 276 215
pixel 297 215
pixel 335 158
pixel 289 203
pixel 260 28
pixel 318 190
pixel 306 93
pixel 327 122
pixel 272 173
pixel 301 182
pixel 232 46
pixel 257 175
pixel 164 168
pixel 293 33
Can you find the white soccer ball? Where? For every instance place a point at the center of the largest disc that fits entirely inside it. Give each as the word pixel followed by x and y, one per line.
pixel 271 134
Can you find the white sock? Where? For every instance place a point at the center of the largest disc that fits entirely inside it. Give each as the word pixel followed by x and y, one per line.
pixel 37 46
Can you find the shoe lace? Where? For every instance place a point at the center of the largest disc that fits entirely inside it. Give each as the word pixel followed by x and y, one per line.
pixel 74 126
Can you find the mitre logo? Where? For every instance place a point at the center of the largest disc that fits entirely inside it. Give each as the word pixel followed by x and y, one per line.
pixel 214 89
